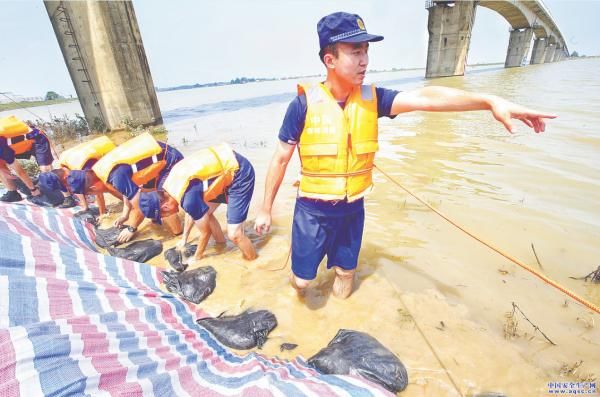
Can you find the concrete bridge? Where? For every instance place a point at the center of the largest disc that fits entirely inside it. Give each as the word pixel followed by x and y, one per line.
pixel 102 47
pixel 451 22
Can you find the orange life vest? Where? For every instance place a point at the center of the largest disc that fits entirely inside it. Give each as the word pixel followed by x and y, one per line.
pixel 337 146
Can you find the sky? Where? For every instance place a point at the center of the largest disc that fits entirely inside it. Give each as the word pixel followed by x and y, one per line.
pixel 199 41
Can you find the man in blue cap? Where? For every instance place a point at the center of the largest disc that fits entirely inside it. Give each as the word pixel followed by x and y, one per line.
pixel 78 182
pixel 51 181
pixel 334 125
pixel 199 184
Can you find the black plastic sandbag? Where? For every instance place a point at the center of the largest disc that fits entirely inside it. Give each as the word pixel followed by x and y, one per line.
pixel 356 353
pixel 138 251
pixel 107 237
pixel 175 257
pixel 90 215
pixel 244 331
pixel 192 285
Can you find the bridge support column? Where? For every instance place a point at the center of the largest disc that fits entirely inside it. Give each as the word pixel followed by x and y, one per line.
pixel 518 47
pixel 550 51
pixel 103 50
pixel 449 25
pixel 539 51
pixel 557 54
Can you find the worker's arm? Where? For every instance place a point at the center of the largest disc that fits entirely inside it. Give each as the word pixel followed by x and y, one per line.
pixel 135 218
pixel 275 175
pixel 187 228
pixel 444 99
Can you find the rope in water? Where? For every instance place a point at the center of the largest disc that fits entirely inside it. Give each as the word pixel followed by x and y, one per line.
pixel 547 280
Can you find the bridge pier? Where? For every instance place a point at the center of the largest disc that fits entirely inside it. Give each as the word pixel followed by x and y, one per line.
pixel 539 51
pixel 518 47
pixel 103 50
pixel 449 25
pixel 557 54
pixel 550 51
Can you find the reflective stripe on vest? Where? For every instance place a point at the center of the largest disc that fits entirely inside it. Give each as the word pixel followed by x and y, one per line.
pixel 16 139
pixel 337 146
pixel 144 163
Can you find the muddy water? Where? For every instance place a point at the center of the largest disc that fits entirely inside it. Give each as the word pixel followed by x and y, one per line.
pixel 433 295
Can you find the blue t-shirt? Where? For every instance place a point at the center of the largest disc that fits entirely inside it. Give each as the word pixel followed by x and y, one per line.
pixel 120 176
pixel 291 129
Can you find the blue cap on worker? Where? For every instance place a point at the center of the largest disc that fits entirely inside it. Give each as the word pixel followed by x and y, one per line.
pixel 342 27
pixel 76 181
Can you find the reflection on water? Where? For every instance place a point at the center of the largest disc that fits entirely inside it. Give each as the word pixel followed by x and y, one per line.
pixel 516 191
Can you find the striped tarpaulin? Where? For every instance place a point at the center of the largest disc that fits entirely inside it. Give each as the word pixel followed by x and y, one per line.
pixel 76 322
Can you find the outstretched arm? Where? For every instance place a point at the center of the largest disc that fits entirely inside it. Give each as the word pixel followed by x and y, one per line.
pixel 444 99
pixel 275 175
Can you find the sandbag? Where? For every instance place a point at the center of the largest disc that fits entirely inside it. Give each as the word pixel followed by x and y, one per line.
pixel 193 285
pixel 107 237
pixel 175 257
pixel 244 331
pixel 356 353
pixel 138 251
pixel 90 215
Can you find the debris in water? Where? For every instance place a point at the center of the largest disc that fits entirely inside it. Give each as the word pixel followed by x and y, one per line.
pixel 287 346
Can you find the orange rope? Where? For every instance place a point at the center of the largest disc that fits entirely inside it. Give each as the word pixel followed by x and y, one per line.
pixel 553 283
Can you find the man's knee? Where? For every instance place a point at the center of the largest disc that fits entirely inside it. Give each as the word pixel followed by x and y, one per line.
pixel 298 283
pixel 235 234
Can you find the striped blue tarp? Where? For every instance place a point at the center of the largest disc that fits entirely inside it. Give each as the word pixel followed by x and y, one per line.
pixel 76 322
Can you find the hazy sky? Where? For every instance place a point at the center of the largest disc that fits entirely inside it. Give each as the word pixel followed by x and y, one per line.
pixel 196 41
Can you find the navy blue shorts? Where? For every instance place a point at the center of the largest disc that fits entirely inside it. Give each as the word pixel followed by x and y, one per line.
pixel 239 194
pixel 41 151
pixel 314 236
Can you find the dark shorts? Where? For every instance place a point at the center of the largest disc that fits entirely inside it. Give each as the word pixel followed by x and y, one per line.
pixel 41 151
pixel 239 194
pixel 314 236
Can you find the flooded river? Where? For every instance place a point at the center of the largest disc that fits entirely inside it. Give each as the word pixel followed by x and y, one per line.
pixel 435 296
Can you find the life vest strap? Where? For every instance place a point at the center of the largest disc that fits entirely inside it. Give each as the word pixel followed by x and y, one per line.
pixel 337 175
pixel 144 163
pixel 16 139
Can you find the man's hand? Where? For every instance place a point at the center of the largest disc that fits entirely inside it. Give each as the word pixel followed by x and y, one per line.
pixel 262 225
pixel 119 221
pixel 180 246
pixel 125 236
pixel 504 111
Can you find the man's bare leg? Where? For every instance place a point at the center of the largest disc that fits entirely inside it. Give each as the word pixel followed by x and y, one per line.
pixel 343 283
pixel 238 237
pixel 216 231
pixel 299 284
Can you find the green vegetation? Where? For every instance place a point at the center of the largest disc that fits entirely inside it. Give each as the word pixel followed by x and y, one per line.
pixel 52 96
pixel 20 105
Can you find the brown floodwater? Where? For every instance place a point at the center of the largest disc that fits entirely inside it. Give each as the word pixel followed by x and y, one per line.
pixel 436 297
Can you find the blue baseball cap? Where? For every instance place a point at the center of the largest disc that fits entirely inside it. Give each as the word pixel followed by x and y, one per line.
pixel 342 27
pixel 150 206
pixel 50 181
pixel 76 181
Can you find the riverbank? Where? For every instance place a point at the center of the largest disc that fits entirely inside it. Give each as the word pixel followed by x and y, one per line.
pixel 31 104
